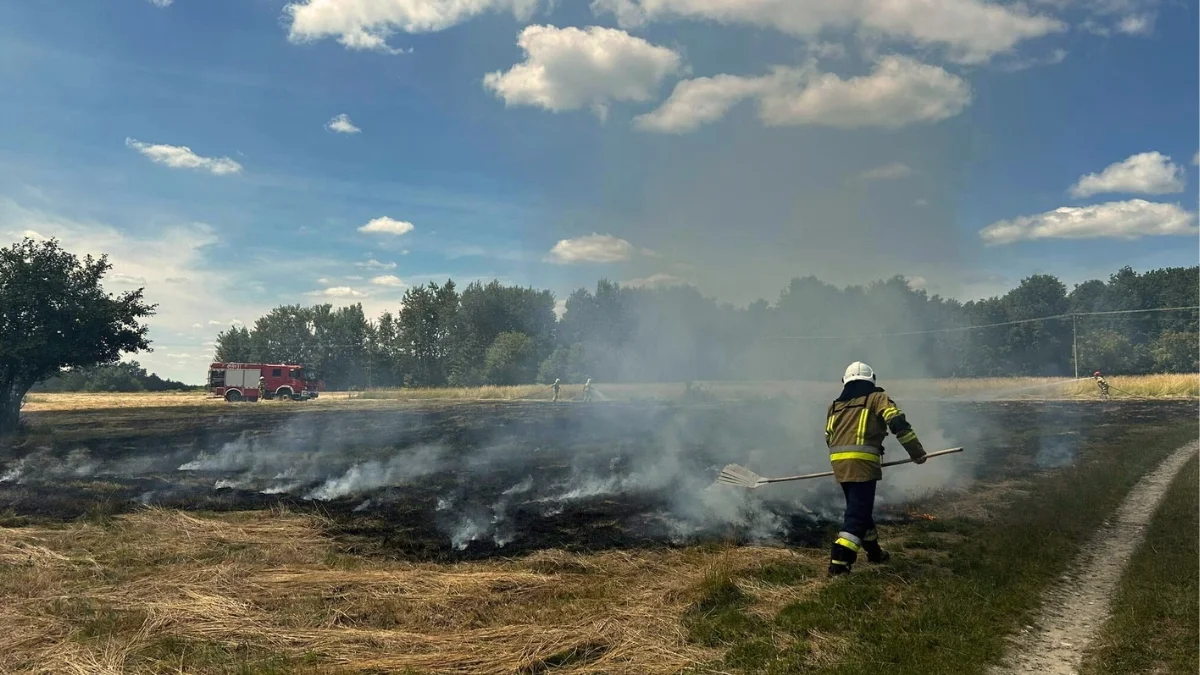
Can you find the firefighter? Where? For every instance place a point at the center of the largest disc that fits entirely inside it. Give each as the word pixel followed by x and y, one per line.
pixel 262 387
pixel 587 390
pixel 555 387
pixel 1102 383
pixel 856 424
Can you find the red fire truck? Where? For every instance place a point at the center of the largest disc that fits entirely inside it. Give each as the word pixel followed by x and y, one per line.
pixel 285 381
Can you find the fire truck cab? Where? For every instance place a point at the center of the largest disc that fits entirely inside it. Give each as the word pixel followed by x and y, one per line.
pixel 284 381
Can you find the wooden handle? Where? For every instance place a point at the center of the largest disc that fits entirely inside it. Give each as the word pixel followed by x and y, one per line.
pixel 830 473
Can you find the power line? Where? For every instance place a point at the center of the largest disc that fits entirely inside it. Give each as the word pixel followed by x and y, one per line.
pixel 1070 315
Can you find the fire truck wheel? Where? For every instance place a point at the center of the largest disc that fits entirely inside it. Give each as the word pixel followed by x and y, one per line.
pixel 233 396
pixel 283 395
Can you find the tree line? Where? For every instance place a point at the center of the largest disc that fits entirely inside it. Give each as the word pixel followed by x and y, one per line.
pixel 124 376
pixel 496 334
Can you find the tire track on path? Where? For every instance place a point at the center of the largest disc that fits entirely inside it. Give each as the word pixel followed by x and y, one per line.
pixel 1077 607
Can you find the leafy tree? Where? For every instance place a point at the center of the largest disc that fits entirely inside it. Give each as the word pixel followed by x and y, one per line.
pixel 236 346
pixel 512 359
pixel 1176 352
pixel 55 315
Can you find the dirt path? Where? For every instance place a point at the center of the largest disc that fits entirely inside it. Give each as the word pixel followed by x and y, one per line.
pixel 1079 605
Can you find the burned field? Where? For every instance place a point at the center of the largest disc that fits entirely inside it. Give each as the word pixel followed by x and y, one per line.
pixel 536 538
pixel 475 480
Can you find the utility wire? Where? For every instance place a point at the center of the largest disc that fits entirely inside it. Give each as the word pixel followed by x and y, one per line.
pixel 976 327
pixel 845 337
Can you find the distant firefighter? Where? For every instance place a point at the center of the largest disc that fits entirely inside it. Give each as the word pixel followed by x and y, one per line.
pixel 856 424
pixel 262 387
pixel 587 390
pixel 555 387
pixel 1102 383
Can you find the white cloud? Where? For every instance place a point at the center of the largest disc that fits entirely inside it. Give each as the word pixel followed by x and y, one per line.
pixel 385 225
pixel 342 125
pixel 1136 24
pixel 161 3
pixel 182 157
pixel 366 24
pixel 660 280
pixel 892 171
pixel 699 101
pixel 375 265
pixel 921 203
pixel 388 280
pixel 1118 220
pixel 1018 64
pixel 1150 173
pixel 1196 159
pixel 560 308
pixel 971 31
pixel 898 92
pixel 594 248
pixel 338 292
pixel 570 68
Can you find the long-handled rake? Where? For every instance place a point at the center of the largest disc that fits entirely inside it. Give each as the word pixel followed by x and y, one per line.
pixel 743 477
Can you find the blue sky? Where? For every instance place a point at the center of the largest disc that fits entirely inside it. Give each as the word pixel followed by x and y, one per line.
pixel 728 144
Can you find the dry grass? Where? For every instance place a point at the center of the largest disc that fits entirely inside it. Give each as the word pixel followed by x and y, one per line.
pixel 162 590
pixel 1148 386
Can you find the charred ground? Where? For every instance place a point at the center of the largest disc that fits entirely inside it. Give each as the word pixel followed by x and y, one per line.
pixel 471 480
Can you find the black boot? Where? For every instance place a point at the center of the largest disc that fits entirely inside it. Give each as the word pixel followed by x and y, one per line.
pixel 875 554
pixel 841 559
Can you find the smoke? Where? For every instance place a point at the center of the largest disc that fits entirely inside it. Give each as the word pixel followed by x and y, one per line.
pixel 374 474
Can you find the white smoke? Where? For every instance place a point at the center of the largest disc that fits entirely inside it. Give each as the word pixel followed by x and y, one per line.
pixel 370 475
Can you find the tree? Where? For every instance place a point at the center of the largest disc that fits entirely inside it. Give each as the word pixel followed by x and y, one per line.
pixel 55 315
pixel 1176 352
pixel 510 360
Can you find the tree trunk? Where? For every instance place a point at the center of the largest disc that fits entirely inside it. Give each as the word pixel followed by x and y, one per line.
pixel 10 407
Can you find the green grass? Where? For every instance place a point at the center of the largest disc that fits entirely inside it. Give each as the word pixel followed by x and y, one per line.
pixel 1155 625
pixel 944 604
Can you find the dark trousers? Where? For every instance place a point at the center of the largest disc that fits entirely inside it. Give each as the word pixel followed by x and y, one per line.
pixel 860 502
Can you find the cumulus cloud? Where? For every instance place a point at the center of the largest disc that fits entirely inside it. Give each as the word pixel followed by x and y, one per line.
pixel 898 92
pixel 699 101
pixel 1151 173
pixel 388 280
pixel 594 248
pixel 367 24
pixel 1118 220
pixel 659 280
pixel 338 292
pixel 385 225
pixel 971 31
pixel 891 171
pixel 182 157
pixel 161 3
pixel 375 265
pixel 342 125
pixel 570 68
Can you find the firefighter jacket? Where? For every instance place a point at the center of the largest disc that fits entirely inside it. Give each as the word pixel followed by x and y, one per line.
pixel 855 429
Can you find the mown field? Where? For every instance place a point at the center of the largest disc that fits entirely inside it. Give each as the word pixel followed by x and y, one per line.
pixel 1011 388
pixel 463 536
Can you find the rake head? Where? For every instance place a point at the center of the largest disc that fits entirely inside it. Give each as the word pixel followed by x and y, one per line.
pixel 740 476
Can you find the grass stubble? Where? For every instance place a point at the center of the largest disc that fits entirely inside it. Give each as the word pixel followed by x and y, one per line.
pixel 265 592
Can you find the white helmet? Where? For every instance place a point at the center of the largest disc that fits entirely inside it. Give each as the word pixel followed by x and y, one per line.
pixel 858 371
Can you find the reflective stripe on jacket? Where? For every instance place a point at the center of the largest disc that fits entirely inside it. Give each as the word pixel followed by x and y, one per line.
pixel 854 432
